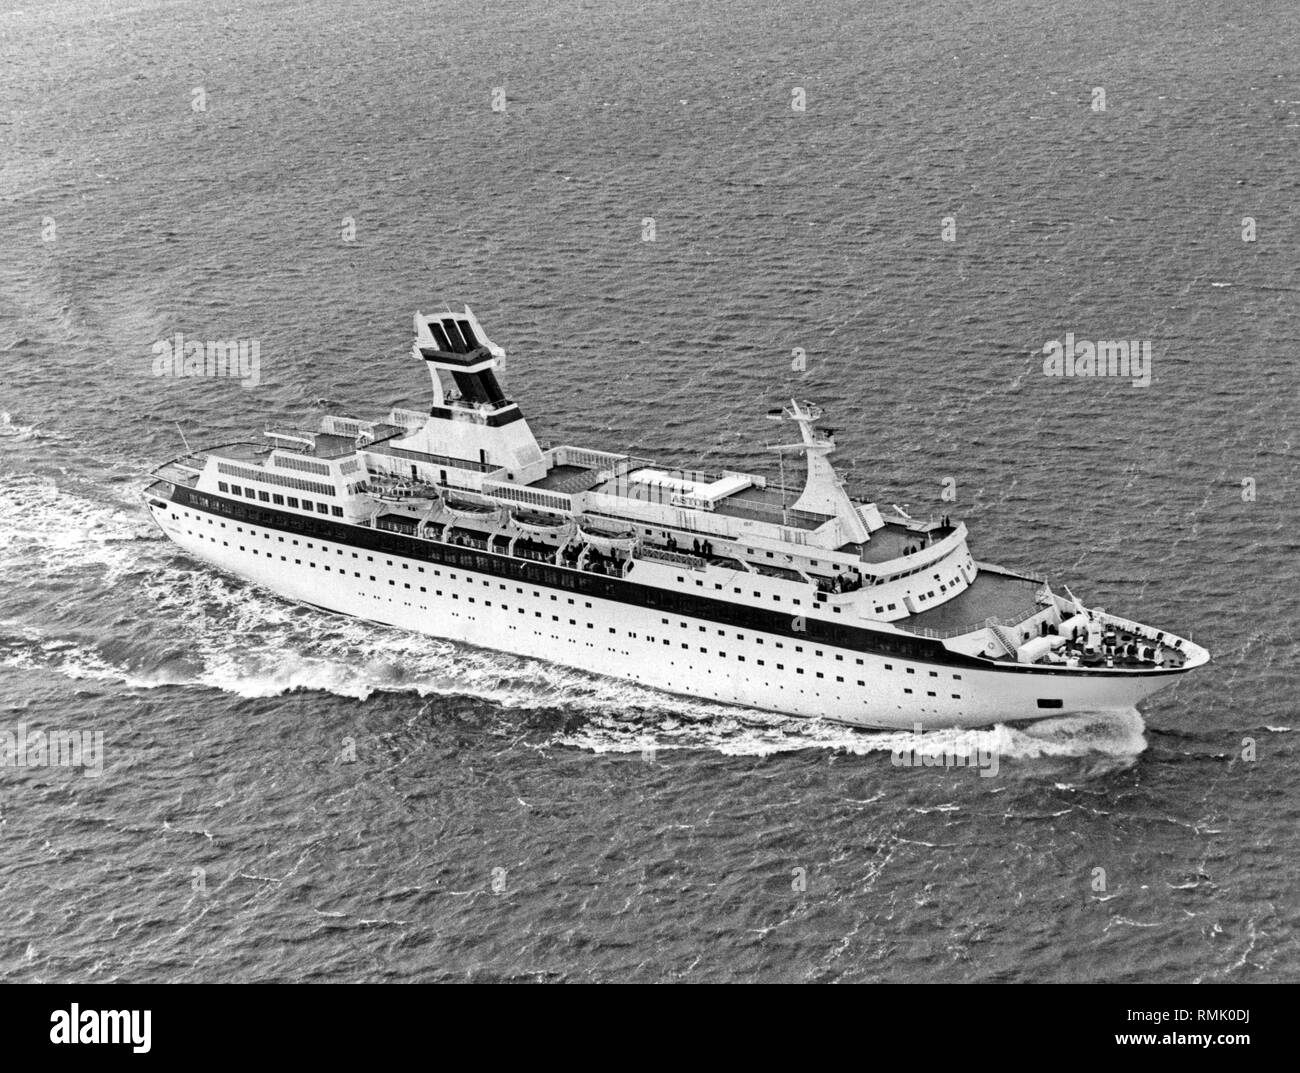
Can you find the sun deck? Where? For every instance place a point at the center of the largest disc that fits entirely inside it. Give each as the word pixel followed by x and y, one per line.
pixel 770 505
pixel 1007 597
pixel 561 478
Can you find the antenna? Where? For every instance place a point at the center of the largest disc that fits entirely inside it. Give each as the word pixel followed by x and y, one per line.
pixel 188 448
pixel 785 517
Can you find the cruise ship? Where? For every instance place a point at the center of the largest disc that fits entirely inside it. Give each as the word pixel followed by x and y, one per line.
pixel 456 522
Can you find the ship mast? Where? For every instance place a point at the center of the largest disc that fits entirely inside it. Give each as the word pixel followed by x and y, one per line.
pixel 823 491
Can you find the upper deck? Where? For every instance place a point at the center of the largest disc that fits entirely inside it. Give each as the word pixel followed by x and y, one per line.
pixel 1010 598
pixel 753 501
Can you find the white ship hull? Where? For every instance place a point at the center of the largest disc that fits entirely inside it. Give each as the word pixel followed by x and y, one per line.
pixel 703 659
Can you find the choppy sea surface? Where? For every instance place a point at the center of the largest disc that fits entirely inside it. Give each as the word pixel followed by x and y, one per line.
pixel 291 796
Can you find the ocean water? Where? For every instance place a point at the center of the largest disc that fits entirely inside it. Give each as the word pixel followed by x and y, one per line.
pixel 291 796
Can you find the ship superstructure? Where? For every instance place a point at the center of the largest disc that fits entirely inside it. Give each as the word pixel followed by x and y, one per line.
pixel 457 523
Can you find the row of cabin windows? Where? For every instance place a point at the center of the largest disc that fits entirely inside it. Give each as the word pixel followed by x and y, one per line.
pixel 487 584
pixel 572 622
pixel 923 597
pixel 758 595
pixel 278 500
pixel 554 576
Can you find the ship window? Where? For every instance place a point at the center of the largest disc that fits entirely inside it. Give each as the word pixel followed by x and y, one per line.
pixel 1054 702
pixel 277 499
pixel 223 486
pixel 236 490
pixel 306 504
pixel 265 497
pixel 293 502
pixel 907 691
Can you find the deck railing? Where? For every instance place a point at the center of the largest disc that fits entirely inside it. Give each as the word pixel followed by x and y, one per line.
pixel 676 558
pixel 533 497
pixel 1009 622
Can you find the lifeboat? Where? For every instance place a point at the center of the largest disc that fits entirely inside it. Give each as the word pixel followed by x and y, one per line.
pixel 608 542
pixel 538 529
